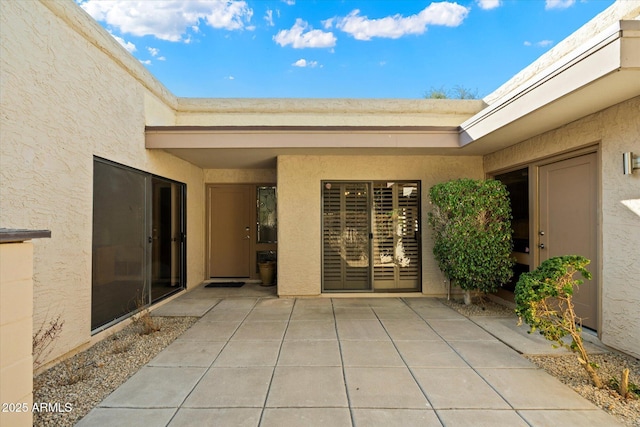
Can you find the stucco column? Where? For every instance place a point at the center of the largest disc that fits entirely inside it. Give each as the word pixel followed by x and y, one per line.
pixel 16 326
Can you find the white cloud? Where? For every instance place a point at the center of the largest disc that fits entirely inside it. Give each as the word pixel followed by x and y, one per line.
pixel 161 58
pixel 153 51
pixel 146 62
pixel 304 63
pixel 127 45
pixel 269 17
pixel 396 26
pixel 170 19
pixel 230 78
pixel 541 43
pixel 489 4
pixel 558 4
pixel 302 36
pixel 289 2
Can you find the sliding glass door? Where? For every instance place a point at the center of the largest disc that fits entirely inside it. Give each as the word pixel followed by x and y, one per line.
pixel 371 236
pixel 138 241
pixel 167 235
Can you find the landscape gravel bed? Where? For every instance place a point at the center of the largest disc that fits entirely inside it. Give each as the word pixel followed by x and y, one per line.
pixel 81 382
pixel 567 369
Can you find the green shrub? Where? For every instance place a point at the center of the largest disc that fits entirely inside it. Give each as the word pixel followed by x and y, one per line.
pixel 471 222
pixel 544 301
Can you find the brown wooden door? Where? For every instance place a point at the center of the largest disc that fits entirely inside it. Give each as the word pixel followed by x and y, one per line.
pixel 568 223
pixel 230 230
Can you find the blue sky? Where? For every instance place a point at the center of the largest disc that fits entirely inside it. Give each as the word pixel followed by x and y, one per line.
pixel 338 49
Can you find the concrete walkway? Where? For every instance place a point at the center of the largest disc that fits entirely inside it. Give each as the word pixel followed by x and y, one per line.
pixel 263 361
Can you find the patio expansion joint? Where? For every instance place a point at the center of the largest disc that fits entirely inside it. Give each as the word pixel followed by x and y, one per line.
pixel 214 360
pixel 344 374
pixel 495 336
pixel 405 362
pixel 273 372
pixel 467 363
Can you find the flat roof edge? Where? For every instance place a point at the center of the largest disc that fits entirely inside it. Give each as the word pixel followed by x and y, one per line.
pixel 306 129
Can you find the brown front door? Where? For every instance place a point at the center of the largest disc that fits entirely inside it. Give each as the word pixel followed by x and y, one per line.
pixel 230 230
pixel 568 223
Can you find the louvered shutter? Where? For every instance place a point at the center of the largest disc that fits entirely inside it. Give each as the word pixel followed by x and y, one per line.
pixel 345 236
pixel 396 236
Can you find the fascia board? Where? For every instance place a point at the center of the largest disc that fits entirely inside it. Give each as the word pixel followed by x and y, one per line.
pixel 594 59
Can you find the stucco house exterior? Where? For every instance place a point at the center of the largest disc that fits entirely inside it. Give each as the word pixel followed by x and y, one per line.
pixel 147 195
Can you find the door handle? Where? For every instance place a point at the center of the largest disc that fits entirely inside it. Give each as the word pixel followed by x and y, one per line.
pixel 541 245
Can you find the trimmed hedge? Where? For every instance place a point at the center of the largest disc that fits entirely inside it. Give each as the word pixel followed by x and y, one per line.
pixel 471 222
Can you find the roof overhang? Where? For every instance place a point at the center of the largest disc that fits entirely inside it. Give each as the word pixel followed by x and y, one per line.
pixel 232 147
pixel 602 72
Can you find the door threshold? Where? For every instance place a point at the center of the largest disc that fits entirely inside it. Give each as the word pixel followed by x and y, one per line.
pixel 373 295
pixel 232 279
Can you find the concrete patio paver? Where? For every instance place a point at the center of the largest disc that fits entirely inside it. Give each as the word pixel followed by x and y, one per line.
pixel 311 330
pixel 533 389
pixel 485 418
pixel 361 330
pixel 409 329
pixel 252 361
pixel 429 354
pixel 458 389
pixel 310 353
pixel 189 353
pixel 101 417
pixel 231 388
pixel 307 386
pixel 155 387
pixel 395 418
pixel 238 417
pixel 370 353
pixel 384 388
pixel 248 353
pixel 489 354
pixel 308 417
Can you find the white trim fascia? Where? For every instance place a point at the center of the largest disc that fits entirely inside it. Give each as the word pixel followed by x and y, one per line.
pixel 594 59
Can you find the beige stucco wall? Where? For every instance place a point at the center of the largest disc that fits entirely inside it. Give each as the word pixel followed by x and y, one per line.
pixel 299 210
pixel 64 101
pixel 616 129
pixel 16 328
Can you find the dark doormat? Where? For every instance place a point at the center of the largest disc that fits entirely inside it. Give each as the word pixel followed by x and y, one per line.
pixel 224 285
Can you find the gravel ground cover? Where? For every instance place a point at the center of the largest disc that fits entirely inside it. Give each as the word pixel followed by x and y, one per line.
pixel 567 369
pixel 86 379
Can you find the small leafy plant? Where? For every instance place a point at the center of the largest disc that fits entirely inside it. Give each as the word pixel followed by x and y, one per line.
pixel 544 301
pixel 471 222
pixel 625 387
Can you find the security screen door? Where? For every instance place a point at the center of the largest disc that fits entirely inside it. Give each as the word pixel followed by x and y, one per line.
pixel 139 246
pixel 371 236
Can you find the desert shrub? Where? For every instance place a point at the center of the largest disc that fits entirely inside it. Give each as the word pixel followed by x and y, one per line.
pixel 544 301
pixel 471 223
pixel 43 340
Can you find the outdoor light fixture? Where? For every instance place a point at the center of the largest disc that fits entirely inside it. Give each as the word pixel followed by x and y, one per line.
pixel 630 163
